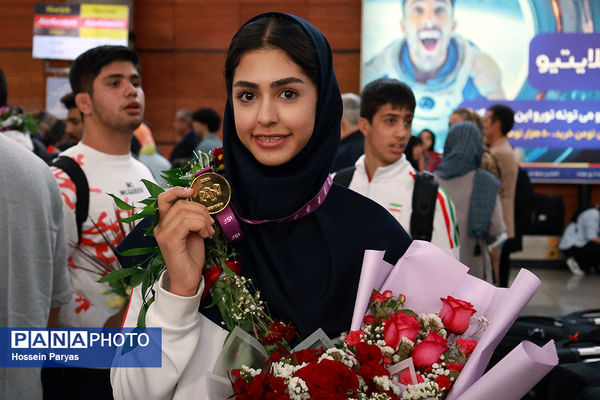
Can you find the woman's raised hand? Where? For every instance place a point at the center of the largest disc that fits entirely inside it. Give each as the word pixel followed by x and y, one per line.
pixel 180 235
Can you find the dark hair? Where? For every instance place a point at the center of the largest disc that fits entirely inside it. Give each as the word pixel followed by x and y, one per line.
pixel 209 117
pixel 432 138
pixel 3 89
pixel 273 31
pixel 505 115
pixel 413 141
pixel 68 101
pixel 470 115
pixel 87 66
pixel 385 91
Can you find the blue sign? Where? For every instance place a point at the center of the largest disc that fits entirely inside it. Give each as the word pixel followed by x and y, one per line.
pixel 553 124
pixel 552 173
pixel 80 347
pixel 565 61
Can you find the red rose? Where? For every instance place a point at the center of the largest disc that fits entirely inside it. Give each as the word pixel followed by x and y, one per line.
pixel 443 382
pixel 456 314
pixel 400 325
pixel 388 294
pixel 405 378
pixel 368 353
pixel 466 345
pixel 429 351
pixel 370 370
pixel 454 367
pixel 369 319
pixel 307 355
pixel 328 379
pixel 354 338
pixel 378 297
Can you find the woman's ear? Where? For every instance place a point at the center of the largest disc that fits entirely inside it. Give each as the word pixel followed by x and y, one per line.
pixel 83 101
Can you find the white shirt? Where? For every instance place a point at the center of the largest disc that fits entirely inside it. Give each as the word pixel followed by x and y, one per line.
pixel 392 187
pixel 116 174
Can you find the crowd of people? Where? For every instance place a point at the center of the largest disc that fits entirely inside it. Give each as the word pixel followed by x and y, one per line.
pixel 283 123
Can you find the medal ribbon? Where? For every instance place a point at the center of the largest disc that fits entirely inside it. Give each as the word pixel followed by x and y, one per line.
pixel 231 227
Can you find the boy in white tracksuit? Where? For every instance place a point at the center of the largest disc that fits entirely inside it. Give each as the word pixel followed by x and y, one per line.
pixel 383 174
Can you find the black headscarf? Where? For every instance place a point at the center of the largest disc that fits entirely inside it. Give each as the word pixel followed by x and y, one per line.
pixel 306 270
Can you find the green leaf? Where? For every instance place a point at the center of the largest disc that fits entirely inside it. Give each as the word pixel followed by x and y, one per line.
pixel 118 274
pixel 410 312
pixel 121 204
pixel 134 217
pixel 141 322
pixel 153 188
pixel 136 279
pixel 149 201
pixel 138 251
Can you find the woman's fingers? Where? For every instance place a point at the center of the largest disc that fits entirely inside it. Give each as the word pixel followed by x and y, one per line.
pixel 165 199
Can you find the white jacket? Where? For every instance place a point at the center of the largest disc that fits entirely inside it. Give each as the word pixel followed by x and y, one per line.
pixel 392 187
pixel 191 344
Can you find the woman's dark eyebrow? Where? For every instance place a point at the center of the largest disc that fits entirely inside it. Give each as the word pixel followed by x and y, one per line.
pixel 277 83
pixel 286 81
pixel 245 84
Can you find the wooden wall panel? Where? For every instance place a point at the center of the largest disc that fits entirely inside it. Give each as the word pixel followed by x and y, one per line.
pixel 25 79
pixel 155 25
pixel 208 24
pixel 347 70
pixel 338 21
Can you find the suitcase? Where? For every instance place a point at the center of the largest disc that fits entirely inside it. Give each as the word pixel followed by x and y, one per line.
pixel 547 216
pixel 569 332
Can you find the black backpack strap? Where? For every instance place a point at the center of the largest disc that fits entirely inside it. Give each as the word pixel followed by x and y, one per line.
pixel 344 176
pixel 423 206
pixel 82 189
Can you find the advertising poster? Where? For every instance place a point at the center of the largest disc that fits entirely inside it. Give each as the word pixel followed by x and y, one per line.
pixel 540 57
pixel 63 31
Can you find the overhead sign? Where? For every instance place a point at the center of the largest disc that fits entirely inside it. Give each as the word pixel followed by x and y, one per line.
pixel 63 31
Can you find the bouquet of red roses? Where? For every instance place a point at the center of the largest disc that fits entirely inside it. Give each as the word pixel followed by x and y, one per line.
pixel 369 362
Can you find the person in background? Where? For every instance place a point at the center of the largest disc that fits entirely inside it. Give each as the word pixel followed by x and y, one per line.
pixel 74 122
pixel 432 157
pixel 488 162
pixel 415 153
pixel 149 155
pixel 352 143
pixel 184 149
pixel 498 122
pixel 474 192
pixel 33 253
pixel 206 123
pixel 107 85
pixel 581 241
pixel 384 173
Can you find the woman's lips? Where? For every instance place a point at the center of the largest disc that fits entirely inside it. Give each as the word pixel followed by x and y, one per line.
pixel 270 141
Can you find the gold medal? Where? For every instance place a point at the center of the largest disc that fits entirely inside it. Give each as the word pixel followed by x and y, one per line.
pixel 212 191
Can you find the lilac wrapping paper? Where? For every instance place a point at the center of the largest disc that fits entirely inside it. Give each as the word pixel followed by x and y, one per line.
pixel 425 274
pixel 515 374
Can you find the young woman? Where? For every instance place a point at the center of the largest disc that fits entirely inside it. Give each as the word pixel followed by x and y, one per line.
pixel 281 133
pixel 475 195
pixel 432 158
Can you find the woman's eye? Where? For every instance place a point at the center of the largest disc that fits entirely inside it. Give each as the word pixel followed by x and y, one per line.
pixel 288 94
pixel 246 96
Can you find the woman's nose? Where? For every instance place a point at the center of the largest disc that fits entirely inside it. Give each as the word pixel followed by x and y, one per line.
pixel 267 114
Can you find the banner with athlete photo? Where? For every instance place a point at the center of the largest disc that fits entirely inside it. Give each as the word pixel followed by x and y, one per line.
pixel 540 57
